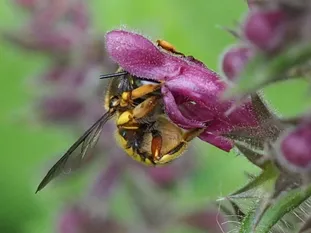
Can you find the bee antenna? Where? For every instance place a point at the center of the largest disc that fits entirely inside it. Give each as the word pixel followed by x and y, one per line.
pixel 104 76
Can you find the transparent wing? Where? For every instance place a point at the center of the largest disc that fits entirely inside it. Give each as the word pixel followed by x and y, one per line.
pixel 91 140
pixel 88 141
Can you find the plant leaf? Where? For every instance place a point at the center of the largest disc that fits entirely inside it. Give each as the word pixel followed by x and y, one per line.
pixel 283 205
pixel 266 175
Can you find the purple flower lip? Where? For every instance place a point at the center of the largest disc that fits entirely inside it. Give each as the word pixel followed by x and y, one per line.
pixel 191 92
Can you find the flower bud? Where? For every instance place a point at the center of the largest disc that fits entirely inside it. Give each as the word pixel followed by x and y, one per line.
pixel 265 29
pixel 295 148
pixel 234 61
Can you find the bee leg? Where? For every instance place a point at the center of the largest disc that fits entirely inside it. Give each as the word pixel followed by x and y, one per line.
pixel 187 137
pixel 144 90
pixel 145 156
pixel 138 112
pixel 145 107
pixel 191 134
pixel 180 147
pixel 127 97
pixel 156 144
pixel 136 143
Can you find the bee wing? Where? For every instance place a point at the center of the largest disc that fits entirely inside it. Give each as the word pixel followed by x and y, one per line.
pixel 88 140
pixel 91 140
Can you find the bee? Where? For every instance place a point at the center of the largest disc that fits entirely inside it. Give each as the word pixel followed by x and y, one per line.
pixel 143 130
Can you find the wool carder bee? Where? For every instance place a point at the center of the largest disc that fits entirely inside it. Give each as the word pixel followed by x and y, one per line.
pixel 143 129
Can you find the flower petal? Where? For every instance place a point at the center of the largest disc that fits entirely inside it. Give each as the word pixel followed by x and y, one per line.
pixel 218 141
pixel 174 113
pixel 135 54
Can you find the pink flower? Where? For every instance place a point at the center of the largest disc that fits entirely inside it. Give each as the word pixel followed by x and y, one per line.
pixel 191 92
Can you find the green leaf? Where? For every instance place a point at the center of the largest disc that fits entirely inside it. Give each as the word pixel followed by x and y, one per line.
pixel 246 224
pixel 237 211
pixel 268 174
pixel 252 156
pixel 283 205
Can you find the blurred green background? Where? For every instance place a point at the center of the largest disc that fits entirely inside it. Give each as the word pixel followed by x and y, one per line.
pixel 192 26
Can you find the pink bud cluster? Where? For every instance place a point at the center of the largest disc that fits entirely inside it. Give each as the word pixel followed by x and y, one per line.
pixel 273 31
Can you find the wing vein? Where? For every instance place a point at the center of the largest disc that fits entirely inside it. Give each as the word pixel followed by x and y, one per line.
pixel 88 140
